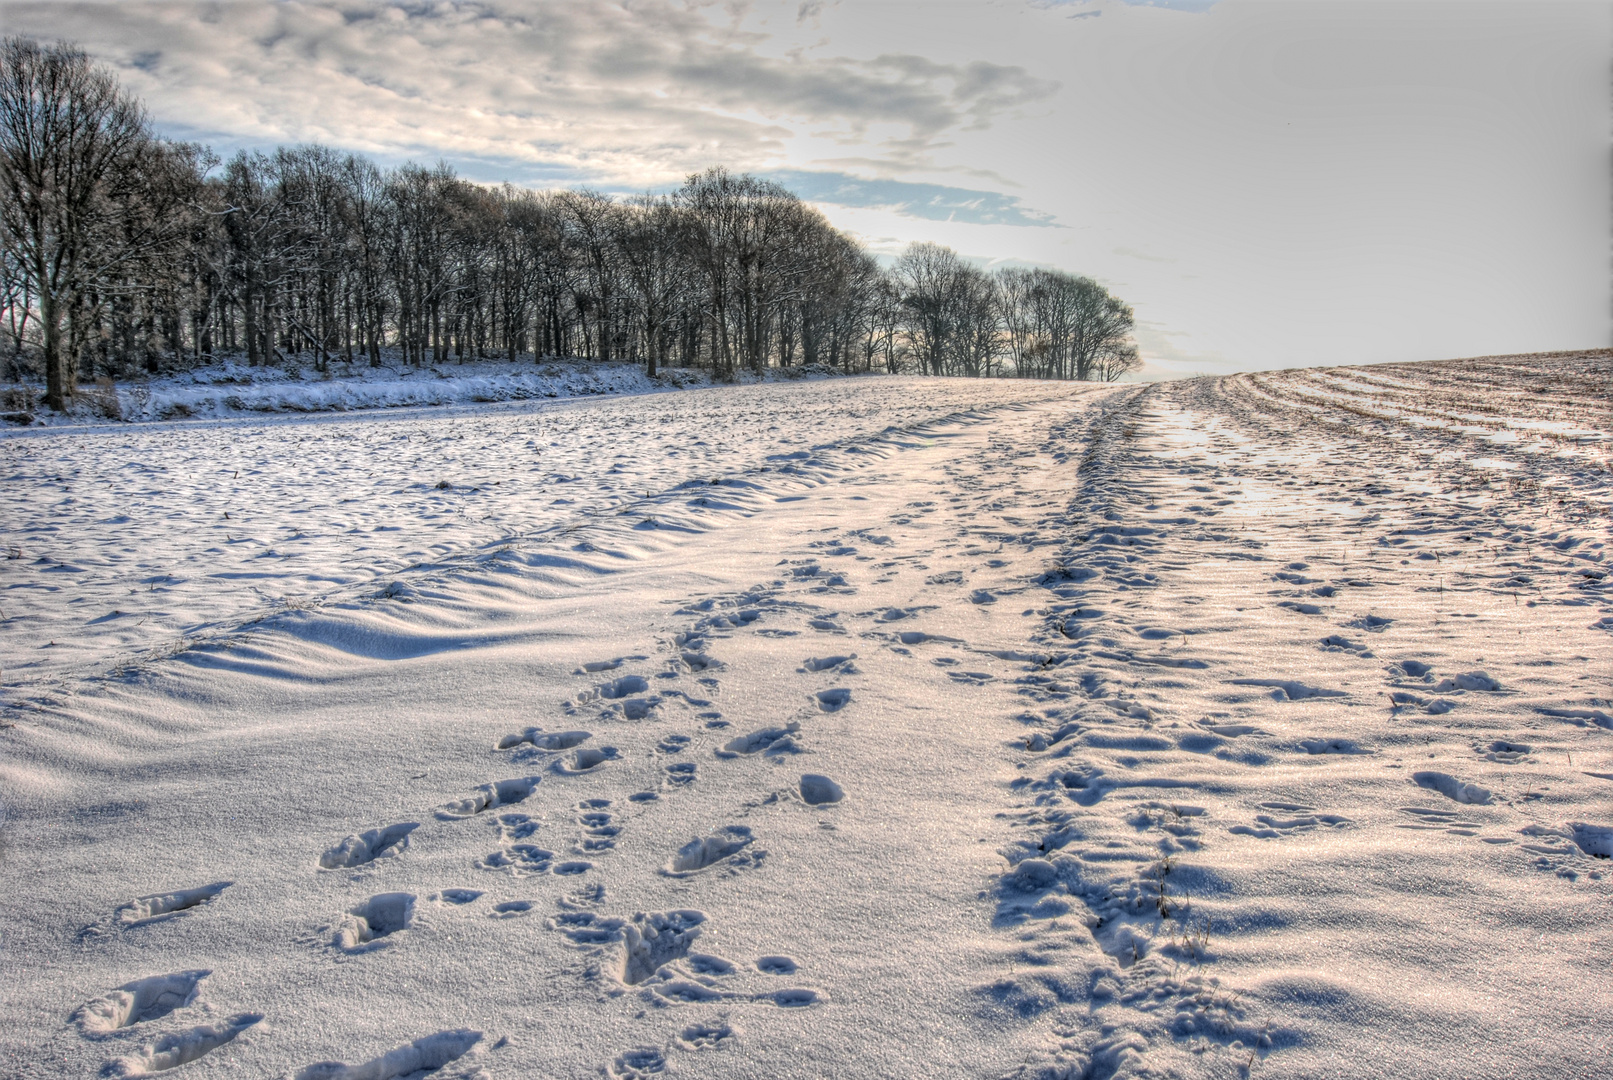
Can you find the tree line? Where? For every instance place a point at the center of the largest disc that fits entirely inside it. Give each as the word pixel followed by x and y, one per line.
pixel 122 253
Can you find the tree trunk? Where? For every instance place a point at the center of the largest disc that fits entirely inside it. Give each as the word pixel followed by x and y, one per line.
pixel 58 366
pixel 254 339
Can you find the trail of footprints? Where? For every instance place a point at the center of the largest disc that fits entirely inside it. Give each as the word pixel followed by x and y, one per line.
pixel 1127 875
pixel 651 953
pixel 651 950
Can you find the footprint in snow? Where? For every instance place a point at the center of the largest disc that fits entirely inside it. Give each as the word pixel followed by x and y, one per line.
pixel 833 700
pixel 636 1064
pixel 708 965
pixel 776 965
pixel 136 1002
pixel 542 740
pixel 819 790
pixel 518 860
pixel 1470 680
pixel 673 744
pixel 365 927
pixel 488 796
pixel 162 906
pixel 1289 689
pixel 1593 840
pixel 599 833
pixel 706 1036
pixel 1580 717
pixel 1507 753
pixel 512 827
pixel 624 687
pixel 456 897
pixel 1452 788
pixel 653 939
pixel 1300 607
pixel 180 1048
pixel 638 708
pixel 681 774
pixel 1411 669
pixel 418 1058
pixel 1340 643
pixel 770 740
pixel 587 928
pixel 825 663
pixel 1331 746
pixel 1287 819
pixel 368 846
pixel 919 637
pixel 730 845
pixel 1402 699
pixel 585 760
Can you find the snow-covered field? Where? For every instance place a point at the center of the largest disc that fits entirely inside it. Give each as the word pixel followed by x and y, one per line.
pixel 869 728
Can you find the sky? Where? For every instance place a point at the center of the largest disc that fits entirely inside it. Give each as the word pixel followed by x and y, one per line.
pixel 1268 184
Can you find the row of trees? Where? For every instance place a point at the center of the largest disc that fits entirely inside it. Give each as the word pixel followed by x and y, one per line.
pixel 122 252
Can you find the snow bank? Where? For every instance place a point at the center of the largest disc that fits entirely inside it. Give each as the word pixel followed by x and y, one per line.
pixel 232 388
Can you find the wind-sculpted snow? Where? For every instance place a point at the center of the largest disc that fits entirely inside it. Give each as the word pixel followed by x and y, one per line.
pixel 128 542
pixel 1092 732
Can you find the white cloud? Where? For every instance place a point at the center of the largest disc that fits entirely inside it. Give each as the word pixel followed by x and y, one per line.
pixel 634 93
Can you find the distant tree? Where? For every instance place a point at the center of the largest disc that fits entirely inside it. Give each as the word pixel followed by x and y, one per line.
pixel 1023 339
pixel 1116 361
pixel 120 252
pixel 69 140
pixel 978 338
pixel 1099 329
pixel 651 244
pixel 927 275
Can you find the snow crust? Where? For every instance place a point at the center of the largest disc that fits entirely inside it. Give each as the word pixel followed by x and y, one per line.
pixel 866 729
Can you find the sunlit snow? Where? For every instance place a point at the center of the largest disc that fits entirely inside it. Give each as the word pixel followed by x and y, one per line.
pixel 1257 726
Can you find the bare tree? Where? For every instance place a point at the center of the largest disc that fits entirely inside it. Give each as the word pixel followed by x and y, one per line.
pixel 927 276
pixel 67 136
pixel 127 251
pixel 1116 361
pixel 1099 328
pixel 651 243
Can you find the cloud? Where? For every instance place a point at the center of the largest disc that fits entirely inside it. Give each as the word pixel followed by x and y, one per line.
pixel 932 202
pixel 638 92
